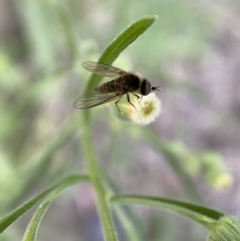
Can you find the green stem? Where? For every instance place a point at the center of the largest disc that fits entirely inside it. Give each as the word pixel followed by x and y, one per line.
pixel 90 159
pixel 127 37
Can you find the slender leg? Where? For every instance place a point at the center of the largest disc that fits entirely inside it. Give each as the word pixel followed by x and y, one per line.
pixel 116 103
pixel 132 105
pixel 138 97
pixel 128 98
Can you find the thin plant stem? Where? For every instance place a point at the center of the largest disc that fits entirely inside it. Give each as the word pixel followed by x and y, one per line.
pixel 97 182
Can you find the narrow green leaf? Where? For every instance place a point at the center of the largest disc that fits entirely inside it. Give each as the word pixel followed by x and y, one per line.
pixel 31 232
pixel 198 213
pixel 120 43
pixel 18 212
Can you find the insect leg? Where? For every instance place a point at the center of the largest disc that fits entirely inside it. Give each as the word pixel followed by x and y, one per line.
pixel 138 97
pixel 133 105
pixel 116 103
pixel 128 99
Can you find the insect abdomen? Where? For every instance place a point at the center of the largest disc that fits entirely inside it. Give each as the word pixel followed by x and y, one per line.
pixel 111 86
pixel 124 84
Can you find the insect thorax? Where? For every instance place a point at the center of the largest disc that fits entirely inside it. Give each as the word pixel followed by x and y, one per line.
pixel 125 83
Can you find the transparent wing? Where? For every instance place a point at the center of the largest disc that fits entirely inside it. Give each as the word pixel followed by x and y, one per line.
pixel 94 98
pixel 103 69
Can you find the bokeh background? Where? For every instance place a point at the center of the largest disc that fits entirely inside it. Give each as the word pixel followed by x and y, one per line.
pixel 192 51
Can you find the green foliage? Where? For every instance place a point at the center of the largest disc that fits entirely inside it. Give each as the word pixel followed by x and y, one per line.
pixel 44 55
pixel 226 228
pixel 52 191
pixel 202 215
pixel 109 55
pixel 31 232
pixel 120 43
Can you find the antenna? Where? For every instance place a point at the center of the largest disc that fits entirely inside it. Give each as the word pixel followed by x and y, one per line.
pixel 156 88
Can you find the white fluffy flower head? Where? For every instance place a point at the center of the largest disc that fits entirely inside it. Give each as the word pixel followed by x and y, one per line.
pixel 146 110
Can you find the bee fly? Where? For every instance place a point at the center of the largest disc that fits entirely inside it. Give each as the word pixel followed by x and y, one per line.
pixel 122 83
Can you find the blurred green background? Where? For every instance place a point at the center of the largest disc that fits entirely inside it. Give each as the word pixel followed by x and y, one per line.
pixel 192 51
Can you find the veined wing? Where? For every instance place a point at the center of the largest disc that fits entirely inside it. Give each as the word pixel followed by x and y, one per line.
pixel 94 98
pixel 103 69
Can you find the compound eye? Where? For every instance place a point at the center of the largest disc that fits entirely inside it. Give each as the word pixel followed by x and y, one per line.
pixel 146 87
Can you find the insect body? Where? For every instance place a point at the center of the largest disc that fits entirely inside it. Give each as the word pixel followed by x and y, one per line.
pixel 122 83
